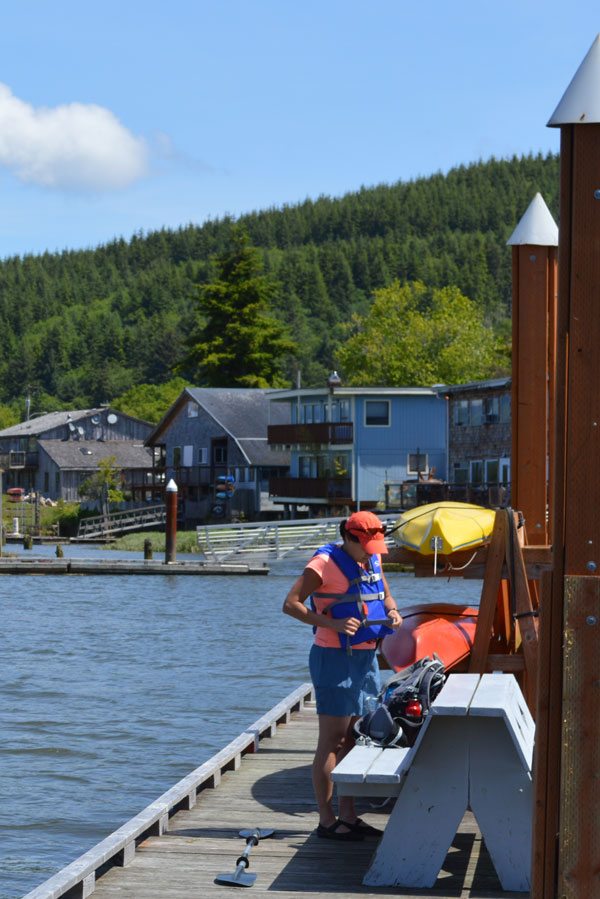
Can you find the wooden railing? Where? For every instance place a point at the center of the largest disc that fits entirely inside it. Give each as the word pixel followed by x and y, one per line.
pixel 329 433
pixel 416 493
pixel 118 522
pixel 335 489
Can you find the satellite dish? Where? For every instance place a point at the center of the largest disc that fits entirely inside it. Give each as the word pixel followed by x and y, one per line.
pixel 112 418
pixel 95 419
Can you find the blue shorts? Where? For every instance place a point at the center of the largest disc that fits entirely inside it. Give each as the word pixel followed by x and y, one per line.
pixel 343 682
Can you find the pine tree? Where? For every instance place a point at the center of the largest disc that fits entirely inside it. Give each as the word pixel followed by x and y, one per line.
pixel 238 342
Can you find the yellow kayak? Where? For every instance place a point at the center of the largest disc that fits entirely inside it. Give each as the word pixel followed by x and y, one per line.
pixel 443 528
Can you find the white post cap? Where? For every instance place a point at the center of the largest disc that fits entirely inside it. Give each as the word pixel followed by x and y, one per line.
pixel 537 227
pixel 580 103
pixel 171 486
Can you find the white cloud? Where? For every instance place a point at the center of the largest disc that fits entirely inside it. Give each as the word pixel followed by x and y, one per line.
pixel 75 146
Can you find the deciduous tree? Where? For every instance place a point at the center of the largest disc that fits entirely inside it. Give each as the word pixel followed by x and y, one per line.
pixel 414 335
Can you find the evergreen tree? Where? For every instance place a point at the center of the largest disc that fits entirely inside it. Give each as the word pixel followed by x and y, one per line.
pixel 238 342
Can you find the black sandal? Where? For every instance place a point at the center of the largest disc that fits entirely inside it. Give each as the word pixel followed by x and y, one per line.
pixel 361 827
pixel 332 832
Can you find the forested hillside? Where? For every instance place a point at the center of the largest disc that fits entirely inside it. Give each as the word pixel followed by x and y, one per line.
pixel 83 327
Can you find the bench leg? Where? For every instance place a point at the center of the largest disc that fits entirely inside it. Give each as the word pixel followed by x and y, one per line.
pixel 428 811
pixel 501 800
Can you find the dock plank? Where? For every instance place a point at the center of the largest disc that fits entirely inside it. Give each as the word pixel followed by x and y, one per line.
pixel 272 789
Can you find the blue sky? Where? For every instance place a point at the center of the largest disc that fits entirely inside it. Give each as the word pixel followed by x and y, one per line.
pixel 117 117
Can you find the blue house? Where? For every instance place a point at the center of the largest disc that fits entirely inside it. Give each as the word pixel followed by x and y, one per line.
pixel 346 443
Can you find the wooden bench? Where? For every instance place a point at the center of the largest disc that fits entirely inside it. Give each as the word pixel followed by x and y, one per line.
pixel 473 751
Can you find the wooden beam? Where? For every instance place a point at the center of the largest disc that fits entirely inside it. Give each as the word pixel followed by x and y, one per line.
pixel 496 555
pixel 579 847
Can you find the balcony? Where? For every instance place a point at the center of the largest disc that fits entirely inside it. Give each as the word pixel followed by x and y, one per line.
pixel 18 459
pixel 328 433
pixel 418 493
pixel 338 490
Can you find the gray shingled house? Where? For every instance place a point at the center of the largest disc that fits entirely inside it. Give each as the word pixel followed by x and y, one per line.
pixel 29 465
pixel 213 443
pixel 65 464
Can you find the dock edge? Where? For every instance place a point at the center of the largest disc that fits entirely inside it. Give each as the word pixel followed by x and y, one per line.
pixel 78 879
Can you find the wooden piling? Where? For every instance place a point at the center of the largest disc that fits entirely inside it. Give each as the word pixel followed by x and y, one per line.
pixel 566 849
pixel 534 260
pixel 171 523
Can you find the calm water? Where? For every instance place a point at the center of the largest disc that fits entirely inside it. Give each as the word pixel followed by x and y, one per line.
pixel 111 691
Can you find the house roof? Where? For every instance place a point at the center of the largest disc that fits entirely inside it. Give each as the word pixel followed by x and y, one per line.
pixel 258 452
pixel 51 420
pixel 491 384
pixel 287 395
pixel 242 412
pixel 84 455
pixel 47 422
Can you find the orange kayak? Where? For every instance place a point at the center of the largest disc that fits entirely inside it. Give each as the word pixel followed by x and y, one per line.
pixel 442 628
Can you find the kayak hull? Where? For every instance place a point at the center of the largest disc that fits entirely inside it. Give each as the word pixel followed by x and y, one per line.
pixel 442 628
pixel 444 528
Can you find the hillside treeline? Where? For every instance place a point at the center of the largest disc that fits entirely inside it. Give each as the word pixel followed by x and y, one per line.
pixel 82 327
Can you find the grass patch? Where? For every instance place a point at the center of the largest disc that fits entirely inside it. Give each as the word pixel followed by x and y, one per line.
pixel 187 542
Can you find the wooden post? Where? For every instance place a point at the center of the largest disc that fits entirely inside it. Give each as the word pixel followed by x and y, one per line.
pixel 171 522
pixel 534 242
pixel 565 861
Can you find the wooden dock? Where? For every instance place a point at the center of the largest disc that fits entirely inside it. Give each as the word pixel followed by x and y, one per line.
pixel 177 846
pixel 124 567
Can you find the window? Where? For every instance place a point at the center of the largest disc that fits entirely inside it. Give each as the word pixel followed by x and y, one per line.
pixel 492 469
pixel 340 410
pixel 341 465
pixel 313 412
pixel 188 456
pixel 504 471
pixel 476 472
pixel 304 466
pixel 461 412
pixel 505 407
pixel 46 482
pixel 417 463
pixel 192 409
pixel 476 412
pixel 377 413
pixel 203 455
pixel 322 463
pixel 220 454
pixel 307 413
pixel 461 473
pixel 176 456
pixel 57 481
pixel 491 409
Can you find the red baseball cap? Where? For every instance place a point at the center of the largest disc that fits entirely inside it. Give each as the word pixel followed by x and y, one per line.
pixel 369 530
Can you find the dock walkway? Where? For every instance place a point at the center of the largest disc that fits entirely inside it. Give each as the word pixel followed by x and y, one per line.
pixel 267 788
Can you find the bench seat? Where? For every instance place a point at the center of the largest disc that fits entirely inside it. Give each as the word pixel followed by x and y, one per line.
pixel 474 750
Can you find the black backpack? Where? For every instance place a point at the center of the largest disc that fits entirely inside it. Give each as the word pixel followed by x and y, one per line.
pixel 403 704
